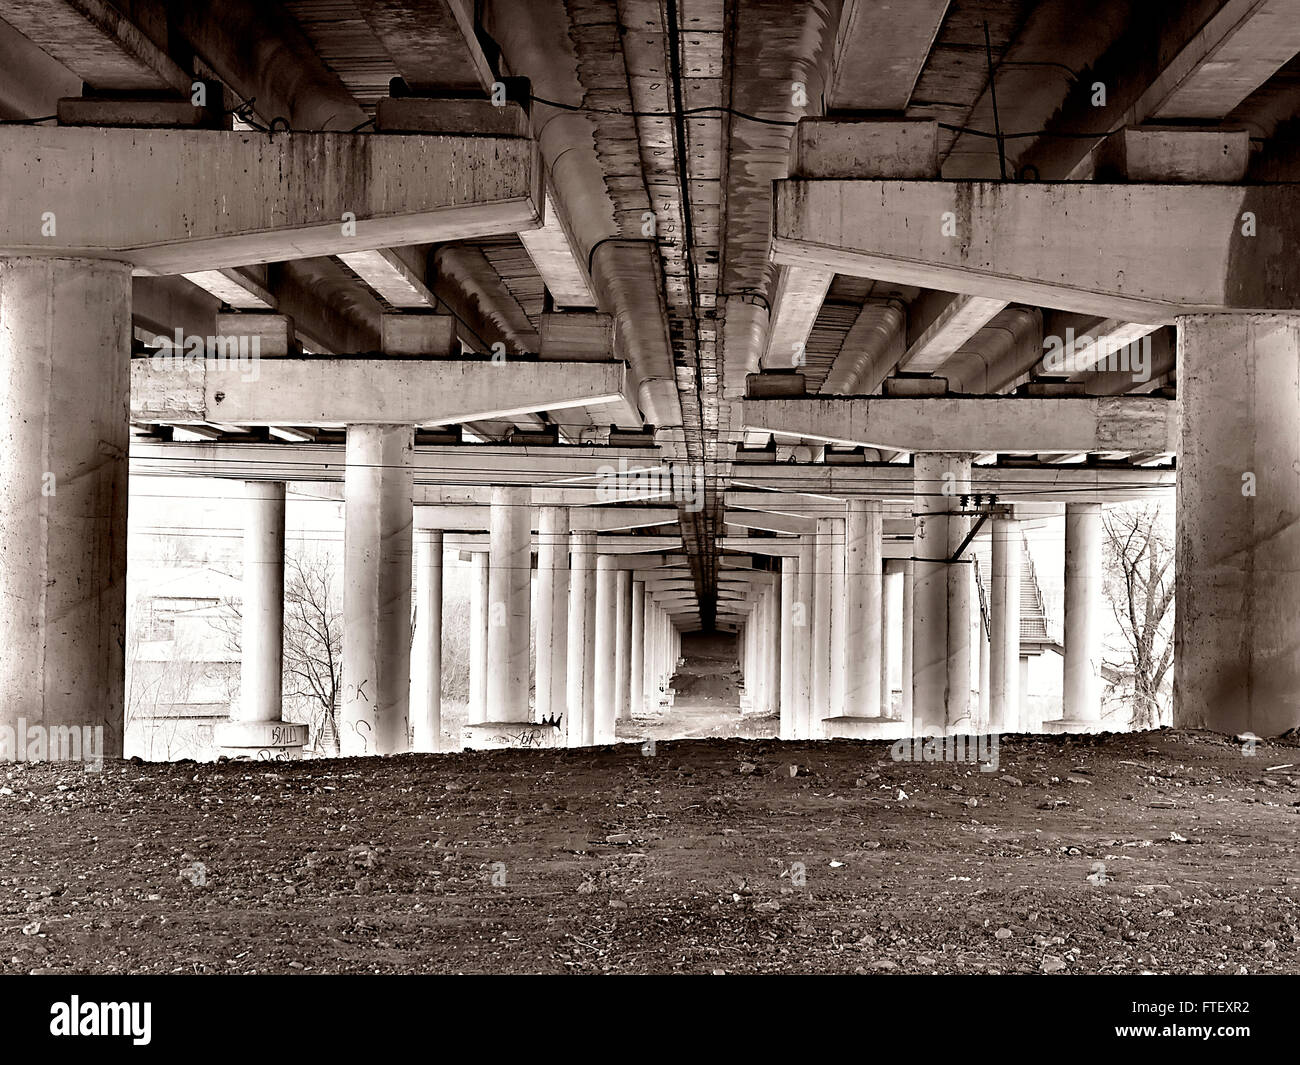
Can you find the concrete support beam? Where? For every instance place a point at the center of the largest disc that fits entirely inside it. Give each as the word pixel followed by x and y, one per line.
pixel 941 649
pixel 957 322
pixel 1004 606
pixel 1025 425
pixel 1237 631
pixel 1169 247
pixel 65 330
pixel 323 392
pixel 582 640
pixel 880 51
pixel 426 666
pixel 552 639
pixel 509 624
pixel 287 196
pixel 798 298
pixel 377 591
pixel 1031 483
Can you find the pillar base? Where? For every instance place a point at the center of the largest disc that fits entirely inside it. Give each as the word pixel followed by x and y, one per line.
pixel 508 735
pixel 276 741
pixel 1063 726
pixel 864 728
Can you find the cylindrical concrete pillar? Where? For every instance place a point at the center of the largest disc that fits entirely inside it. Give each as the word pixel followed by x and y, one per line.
pixel 636 679
pixel 803 624
pixel 426 664
pixel 1237 583
pixel 789 681
pixel 478 639
pixel 1004 604
pixel 256 725
pixel 941 641
pixel 606 648
pixel 262 612
pixel 623 647
pixel 509 588
pixel 891 625
pixel 1083 650
pixel 65 342
pixel 909 629
pixel 552 639
pixel 823 567
pixel 582 643
pixel 862 612
pixel 839 629
pixel 377 590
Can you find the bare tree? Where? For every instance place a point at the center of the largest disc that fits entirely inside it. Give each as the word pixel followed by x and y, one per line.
pixel 1140 587
pixel 313 641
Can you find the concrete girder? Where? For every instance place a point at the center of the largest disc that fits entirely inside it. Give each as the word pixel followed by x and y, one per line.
pixel 800 291
pixel 249 197
pixel 387 390
pixel 99 44
pixel 960 319
pixel 1167 247
pixel 1240 48
pixel 1009 425
pixel 1036 484
pixel 880 51
pixel 871 348
pixel 611 544
pixel 475 517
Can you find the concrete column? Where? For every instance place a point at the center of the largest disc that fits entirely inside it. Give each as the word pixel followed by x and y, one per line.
pixel 1237 583
pixel 426 666
pixel 862 611
pixel 1083 650
pixel 377 590
pixel 1028 723
pixel 257 724
pixel 1004 604
pixel 839 629
pixel 606 646
pixel 891 596
pixel 262 612
pixel 509 588
pixel 623 647
pixel 649 684
pixel 941 650
pixel 551 678
pixel 822 585
pixel 636 653
pixel 909 629
pixel 478 628
pixel 789 682
pixel 803 624
pixel 985 647
pixel 65 341
pixel 582 643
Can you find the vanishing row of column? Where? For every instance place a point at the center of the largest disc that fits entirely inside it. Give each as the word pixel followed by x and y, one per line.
pixel 819 640
pixel 603 645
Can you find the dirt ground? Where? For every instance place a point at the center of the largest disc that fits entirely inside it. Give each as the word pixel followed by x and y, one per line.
pixel 1156 852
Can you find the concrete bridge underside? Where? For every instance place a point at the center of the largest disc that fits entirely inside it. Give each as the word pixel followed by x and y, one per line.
pixel 723 315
